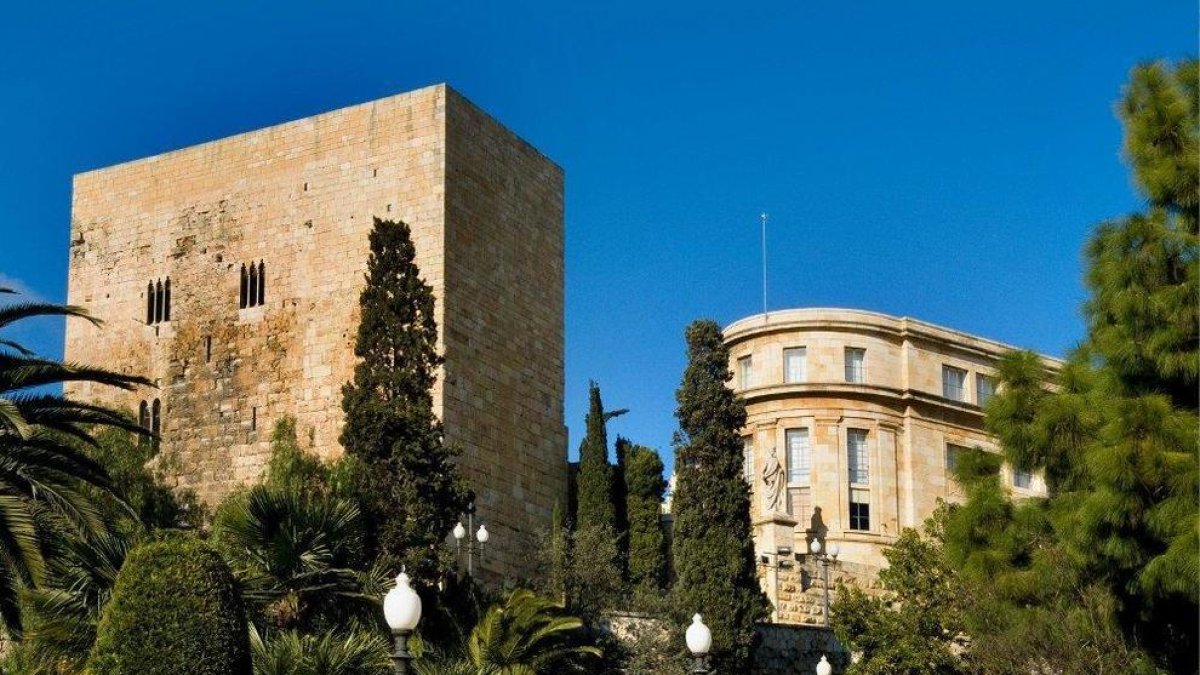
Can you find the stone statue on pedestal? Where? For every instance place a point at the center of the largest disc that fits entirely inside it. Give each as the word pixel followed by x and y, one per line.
pixel 773 482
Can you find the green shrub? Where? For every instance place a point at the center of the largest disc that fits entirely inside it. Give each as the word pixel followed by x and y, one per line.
pixel 174 611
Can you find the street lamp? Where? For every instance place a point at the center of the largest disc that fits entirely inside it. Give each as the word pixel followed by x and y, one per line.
pixel 481 535
pixel 826 558
pixel 699 641
pixel 402 609
pixel 823 668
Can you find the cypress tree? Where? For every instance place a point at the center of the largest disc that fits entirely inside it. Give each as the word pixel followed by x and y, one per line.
pixel 647 541
pixel 713 549
pixel 620 501
pixel 408 483
pixel 595 504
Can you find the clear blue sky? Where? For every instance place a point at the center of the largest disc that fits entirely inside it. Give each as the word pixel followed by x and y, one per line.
pixel 943 160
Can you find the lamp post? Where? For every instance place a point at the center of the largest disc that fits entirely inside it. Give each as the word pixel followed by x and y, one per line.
pixel 826 557
pixel 402 609
pixel 481 536
pixel 699 641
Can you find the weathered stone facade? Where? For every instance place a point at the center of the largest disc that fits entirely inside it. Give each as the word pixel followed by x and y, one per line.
pixel 908 398
pixel 486 213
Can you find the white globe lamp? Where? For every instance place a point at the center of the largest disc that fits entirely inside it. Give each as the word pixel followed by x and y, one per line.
pixel 402 610
pixel 823 668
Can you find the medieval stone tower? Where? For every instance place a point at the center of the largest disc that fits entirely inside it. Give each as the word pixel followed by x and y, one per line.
pixel 229 273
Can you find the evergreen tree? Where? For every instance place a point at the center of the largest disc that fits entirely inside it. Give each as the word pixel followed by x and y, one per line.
pixel 595 482
pixel 408 483
pixel 647 542
pixel 620 501
pixel 1117 435
pixel 713 549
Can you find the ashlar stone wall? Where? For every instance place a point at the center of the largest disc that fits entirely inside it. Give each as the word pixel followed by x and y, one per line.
pixel 486 214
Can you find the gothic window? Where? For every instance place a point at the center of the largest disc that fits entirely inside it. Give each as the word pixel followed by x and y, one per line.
pixel 158 301
pixel 243 300
pixel 143 420
pixel 262 282
pixel 254 285
pixel 156 421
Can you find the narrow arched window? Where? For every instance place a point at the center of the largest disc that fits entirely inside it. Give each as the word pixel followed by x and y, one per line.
pixel 158 302
pixel 143 421
pixel 156 422
pixel 167 300
pixel 149 303
pixel 262 282
pixel 242 298
pixel 253 293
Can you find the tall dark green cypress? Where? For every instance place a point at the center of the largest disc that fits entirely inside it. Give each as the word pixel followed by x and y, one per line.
pixel 646 541
pixel 713 549
pixel 410 489
pixel 595 505
pixel 620 501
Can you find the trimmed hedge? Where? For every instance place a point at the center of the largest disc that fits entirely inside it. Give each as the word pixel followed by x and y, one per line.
pixel 174 611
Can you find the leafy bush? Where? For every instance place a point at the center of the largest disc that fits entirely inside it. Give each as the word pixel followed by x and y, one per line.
pixel 174 611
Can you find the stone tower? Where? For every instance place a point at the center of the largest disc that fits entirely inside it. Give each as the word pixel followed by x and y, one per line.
pixel 229 273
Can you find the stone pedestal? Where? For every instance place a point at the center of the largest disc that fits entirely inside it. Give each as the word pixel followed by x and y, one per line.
pixel 774 541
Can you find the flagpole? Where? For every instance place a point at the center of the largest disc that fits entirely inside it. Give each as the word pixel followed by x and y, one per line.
pixel 764 217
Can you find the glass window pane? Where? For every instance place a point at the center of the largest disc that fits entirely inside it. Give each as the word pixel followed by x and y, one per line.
pixel 953 383
pixel 1022 479
pixel 748 460
pixel 855 358
pixel 859 457
pixel 800 505
pixel 745 364
pixel 799 456
pixel 795 364
pixel 985 389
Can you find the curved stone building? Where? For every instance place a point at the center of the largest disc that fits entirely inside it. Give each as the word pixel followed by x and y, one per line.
pixel 854 420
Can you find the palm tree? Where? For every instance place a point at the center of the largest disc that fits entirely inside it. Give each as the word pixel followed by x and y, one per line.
pixel 298 557
pixel 42 467
pixel 524 635
pixel 290 653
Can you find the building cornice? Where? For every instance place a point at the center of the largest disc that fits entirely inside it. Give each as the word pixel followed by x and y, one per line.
pixel 861 322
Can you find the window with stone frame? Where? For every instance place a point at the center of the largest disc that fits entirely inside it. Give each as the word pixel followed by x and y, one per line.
pixel 985 389
pixel 745 371
pixel 748 460
pixel 860 509
pixel 795 364
pixel 856 364
pixel 954 382
pixel 253 289
pixel 1022 479
pixel 799 456
pixel 158 301
pixel 859 456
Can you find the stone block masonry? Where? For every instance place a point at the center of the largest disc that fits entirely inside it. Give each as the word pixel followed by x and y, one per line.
pixel 486 212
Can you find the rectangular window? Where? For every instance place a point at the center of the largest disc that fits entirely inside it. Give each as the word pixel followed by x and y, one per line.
pixel 855 364
pixel 985 389
pixel 745 368
pixel 860 509
pixel 953 383
pixel 953 452
pixel 748 460
pixel 799 456
pixel 859 457
pixel 1022 479
pixel 795 364
pixel 800 505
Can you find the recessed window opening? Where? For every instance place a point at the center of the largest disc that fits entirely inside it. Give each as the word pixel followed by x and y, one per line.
pixel 158 301
pixel 253 289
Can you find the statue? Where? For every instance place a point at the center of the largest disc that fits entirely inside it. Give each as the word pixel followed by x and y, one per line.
pixel 772 475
